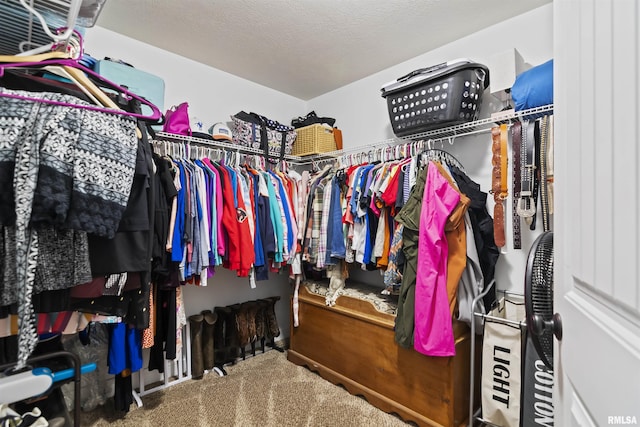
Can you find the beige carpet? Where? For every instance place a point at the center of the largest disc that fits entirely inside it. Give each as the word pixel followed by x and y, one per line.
pixel 265 390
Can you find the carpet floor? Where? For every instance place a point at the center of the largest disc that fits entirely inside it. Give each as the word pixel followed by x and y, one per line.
pixel 265 390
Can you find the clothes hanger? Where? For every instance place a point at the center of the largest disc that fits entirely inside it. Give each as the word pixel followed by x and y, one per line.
pixel 442 156
pixel 34 58
pixel 77 71
pixel 69 72
pixel 76 76
pixel 63 72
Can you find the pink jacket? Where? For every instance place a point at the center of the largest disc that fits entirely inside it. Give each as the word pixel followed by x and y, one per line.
pixel 433 333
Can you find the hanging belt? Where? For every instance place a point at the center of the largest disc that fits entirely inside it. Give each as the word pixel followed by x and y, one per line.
pixel 544 193
pixel 499 180
pixel 549 169
pixel 526 205
pixel 536 172
pixel 516 139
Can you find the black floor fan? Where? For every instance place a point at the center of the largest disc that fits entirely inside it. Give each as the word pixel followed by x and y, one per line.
pixel 542 323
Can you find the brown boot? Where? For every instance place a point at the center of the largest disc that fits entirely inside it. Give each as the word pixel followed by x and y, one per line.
pixel 261 322
pixel 273 330
pixel 242 324
pixel 197 367
pixel 252 312
pixel 208 329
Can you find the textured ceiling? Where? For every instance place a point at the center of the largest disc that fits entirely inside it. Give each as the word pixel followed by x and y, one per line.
pixel 304 47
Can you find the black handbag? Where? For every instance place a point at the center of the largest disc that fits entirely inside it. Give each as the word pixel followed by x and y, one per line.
pixel 258 132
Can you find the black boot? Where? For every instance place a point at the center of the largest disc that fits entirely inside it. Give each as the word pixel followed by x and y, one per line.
pixel 208 328
pixel 272 328
pixel 197 367
pixel 220 338
pixel 231 330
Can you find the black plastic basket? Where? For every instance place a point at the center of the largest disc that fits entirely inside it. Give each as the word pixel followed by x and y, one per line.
pixel 446 94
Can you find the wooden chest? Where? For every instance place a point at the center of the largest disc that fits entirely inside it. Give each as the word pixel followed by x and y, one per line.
pixel 352 344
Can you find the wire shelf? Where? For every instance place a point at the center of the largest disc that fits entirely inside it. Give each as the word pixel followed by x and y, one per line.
pixel 35 26
pixel 465 129
pixel 21 30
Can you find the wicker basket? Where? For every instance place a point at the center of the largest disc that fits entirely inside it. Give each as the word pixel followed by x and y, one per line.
pixel 314 139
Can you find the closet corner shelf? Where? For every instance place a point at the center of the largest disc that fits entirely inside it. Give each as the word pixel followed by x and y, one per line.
pixel 435 134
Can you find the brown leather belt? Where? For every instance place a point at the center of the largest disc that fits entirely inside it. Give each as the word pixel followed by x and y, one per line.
pixel 499 180
pixel 516 140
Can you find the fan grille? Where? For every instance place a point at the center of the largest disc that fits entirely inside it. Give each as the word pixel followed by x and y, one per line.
pixel 539 291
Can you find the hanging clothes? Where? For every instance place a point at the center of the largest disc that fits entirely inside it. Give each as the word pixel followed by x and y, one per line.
pixel 482 225
pixel 409 218
pixel 60 166
pixel 239 217
pixel 433 333
pixel 455 232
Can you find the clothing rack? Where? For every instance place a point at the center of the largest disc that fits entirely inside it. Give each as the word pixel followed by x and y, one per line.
pixel 393 148
pixel 74 377
pixel 175 371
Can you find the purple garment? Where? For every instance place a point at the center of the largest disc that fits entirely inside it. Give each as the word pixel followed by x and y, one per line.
pixel 218 193
pixel 433 333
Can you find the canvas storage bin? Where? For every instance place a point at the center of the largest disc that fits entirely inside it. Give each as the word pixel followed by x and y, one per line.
pixel 446 94
pixel 501 382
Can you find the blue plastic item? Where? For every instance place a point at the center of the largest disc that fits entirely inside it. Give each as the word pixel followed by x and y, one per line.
pixel 149 86
pixel 65 374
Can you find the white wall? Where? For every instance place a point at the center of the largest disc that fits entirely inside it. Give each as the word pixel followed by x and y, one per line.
pixel 213 95
pixel 362 114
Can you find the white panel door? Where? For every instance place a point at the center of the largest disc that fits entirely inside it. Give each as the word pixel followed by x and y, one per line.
pixel 597 221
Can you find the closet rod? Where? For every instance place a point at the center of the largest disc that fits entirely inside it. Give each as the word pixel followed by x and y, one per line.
pixel 170 137
pixel 518 323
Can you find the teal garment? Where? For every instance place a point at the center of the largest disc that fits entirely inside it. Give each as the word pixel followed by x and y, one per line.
pixel 409 217
pixel 276 218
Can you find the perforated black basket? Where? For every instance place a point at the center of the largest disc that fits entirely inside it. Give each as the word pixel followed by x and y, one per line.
pixel 446 94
